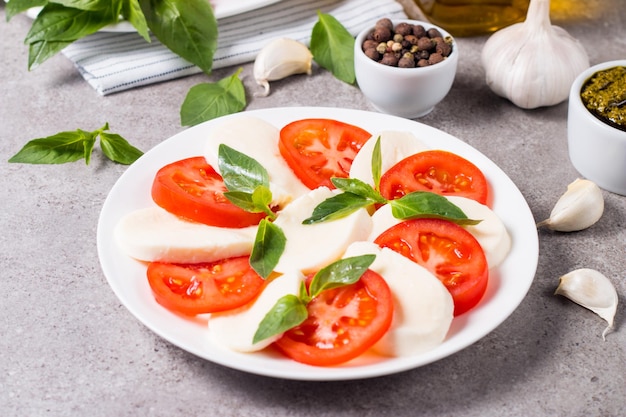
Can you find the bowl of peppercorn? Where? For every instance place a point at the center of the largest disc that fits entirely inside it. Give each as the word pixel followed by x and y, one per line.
pixel 406 67
pixel 596 125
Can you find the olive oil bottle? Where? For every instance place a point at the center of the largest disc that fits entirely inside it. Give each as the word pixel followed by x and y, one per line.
pixel 473 17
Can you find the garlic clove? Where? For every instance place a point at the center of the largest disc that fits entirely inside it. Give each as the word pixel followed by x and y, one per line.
pixel 592 290
pixel 580 207
pixel 533 63
pixel 281 58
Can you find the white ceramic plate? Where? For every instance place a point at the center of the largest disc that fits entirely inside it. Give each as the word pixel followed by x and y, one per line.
pixel 508 284
pixel 221 9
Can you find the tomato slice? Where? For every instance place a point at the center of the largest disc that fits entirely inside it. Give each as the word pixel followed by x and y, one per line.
pixel 437 171
pixel 192 289
pixel 342 323
pixel 448 251
pixel 318 149
pixel 192 189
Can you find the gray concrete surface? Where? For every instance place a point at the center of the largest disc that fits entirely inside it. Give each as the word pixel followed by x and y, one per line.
pixel 69 348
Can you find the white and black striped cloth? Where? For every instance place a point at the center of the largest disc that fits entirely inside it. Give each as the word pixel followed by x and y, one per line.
pixel 117 61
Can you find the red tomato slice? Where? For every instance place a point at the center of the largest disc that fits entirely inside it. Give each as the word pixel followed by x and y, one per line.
pixel 318 149
pixel 448 251
pixel 192 289
pixel 192 189
pixel 437 171
pixel 342 323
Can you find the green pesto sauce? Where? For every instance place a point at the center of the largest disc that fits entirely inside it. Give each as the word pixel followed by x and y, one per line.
pixel 604 95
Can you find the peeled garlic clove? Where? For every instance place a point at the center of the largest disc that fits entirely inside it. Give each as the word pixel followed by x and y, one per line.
pixel 580 207
pixel 590 289
pixel 279 59
pixel 533 63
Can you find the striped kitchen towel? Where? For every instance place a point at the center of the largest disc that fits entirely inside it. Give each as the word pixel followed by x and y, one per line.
pixel 115 61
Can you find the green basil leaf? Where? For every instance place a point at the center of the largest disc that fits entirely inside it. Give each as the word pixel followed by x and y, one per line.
pixel 269 245
pixel 186 27
pixel 332 47
pixel 117 149
pixel 239 171
pixel 337 207
pixel 131 11
pixel 377 164
pixel 342 272
pixel 207 101
pixel 420 204
pixel 40 51
pixel 358 187
pixel 288 312
pixel 56 149
pixel 15 7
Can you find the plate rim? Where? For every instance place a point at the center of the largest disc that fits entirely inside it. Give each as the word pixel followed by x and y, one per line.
pixel 295 371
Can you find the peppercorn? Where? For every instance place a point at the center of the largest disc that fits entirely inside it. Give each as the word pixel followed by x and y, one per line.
pixel 419 31
pixel 407 61
pixel 385 22
pixel 434 33
pixel 390 59
pixel 404 29
pixel 372 53
pixel 435 58
pixel 381 34
pixel 425 44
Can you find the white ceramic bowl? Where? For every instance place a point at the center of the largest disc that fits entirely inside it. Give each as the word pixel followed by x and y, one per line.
pixel 405 92
pixel 596 149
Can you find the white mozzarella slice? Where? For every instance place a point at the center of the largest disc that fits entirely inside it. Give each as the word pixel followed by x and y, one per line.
pixel 153 234
pixel 394 147
pixel 423 307
pixel 257 139
pixel 311 247
pixel 490 232
pixel 235 329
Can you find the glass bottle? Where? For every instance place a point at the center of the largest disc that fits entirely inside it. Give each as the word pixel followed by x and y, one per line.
pixel 473 17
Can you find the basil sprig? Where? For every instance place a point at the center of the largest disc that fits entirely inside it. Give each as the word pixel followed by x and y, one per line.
pixel 357 194
pixel 290 310
pixel 71 146
pixel 186 27
pixel 248 187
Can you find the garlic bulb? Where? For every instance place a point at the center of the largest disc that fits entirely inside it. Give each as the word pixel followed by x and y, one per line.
pixel 533 63
pixel 580 207
pixel 279 59
pixel 590 289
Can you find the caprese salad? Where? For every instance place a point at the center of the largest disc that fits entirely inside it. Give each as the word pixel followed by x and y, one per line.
pixel 318 238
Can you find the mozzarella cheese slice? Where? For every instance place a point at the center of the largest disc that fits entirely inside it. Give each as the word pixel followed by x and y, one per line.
pixel 235 329
pixel 153 234
pixel 490 232
pixel 310 247
pixel 257 139
pixel 423 307
pixel 394 147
